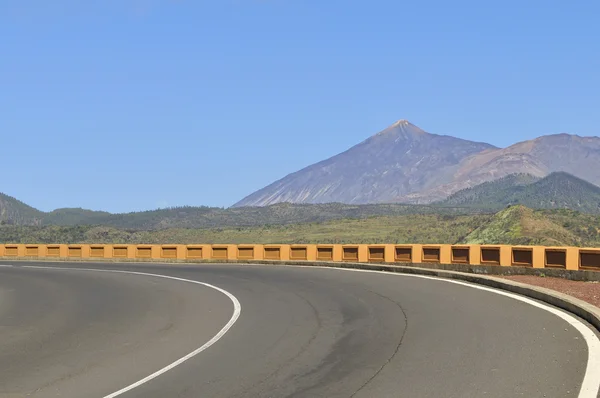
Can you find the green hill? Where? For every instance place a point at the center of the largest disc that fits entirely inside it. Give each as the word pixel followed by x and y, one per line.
pixel 74 216
pixel 15 212
pixel 556 191
pixel 519 225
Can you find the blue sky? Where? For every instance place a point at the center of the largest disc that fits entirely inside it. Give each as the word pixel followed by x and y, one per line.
pixel 126 105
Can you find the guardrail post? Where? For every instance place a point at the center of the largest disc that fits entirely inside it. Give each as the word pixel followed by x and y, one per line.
pixel 572 258
pixel 231 252
pixel 108 251
pixel 337 253
pixel 259 252
pixel 131 251
pixel 181 252
pixel 363 253
pixel 285 252
pixel 155 252
pixel 474 254
pixel 41 251
pixel 505 255
pixel 390 253
pixel 417 254
pixel 63 251
pixel 311 252
pixel 85 251
pixel 445 254
pixel 539 257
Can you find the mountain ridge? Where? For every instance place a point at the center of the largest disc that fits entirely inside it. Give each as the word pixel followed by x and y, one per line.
pixel 211 217
pixel 405 164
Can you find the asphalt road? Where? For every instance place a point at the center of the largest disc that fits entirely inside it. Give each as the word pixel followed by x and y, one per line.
pixel 302 332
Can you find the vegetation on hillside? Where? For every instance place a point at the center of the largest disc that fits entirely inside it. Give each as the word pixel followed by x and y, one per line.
pixel 519 225
pixel 432 228
pixel 556 191
pixel 514 225
pixel 491 194
pixel 560 210
pixel 213 217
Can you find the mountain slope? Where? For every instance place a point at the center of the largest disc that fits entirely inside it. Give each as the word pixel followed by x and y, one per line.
pixel 557 190
pixel 399 160
pixel 579 156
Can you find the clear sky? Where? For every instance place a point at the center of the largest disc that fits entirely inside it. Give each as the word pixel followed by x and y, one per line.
pixel 125 105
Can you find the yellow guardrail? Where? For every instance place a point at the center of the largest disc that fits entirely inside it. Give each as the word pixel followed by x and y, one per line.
pixel 569 258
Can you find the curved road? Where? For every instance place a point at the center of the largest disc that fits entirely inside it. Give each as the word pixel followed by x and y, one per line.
pixel 302 332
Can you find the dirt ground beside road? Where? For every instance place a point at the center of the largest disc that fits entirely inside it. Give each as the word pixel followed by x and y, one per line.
pixel 586 291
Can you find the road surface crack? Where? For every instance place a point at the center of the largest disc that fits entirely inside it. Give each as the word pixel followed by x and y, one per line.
pixel 366 383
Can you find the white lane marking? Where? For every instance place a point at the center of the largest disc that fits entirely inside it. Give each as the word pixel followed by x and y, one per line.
pixel 237 309
pixel 591 381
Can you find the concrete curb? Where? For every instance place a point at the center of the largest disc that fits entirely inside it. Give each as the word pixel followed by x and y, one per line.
pixel 568 303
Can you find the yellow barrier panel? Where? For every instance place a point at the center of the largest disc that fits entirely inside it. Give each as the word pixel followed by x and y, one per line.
pixel 32 250
pixel 272 252
pixel 245 252
pixel 75 251
pixel 197 252
pixel 298 253
pixel 374 254
pixel 169 252
pixel 325 253
pixel 522 256
pixel 350 253
pixel 431 254
pixel 404 254
pixel 589 259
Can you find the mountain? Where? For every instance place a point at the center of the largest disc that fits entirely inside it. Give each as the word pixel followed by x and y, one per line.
pixel 394 162
pixel 404 164
pixel 15 212
pixel 579 156
pixel 557 190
